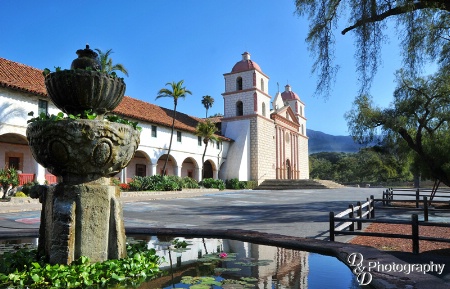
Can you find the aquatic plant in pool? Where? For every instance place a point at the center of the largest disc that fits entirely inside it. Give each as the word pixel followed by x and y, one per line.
pixel 23 269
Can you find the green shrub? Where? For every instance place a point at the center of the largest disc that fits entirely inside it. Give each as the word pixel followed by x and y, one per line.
pixel 189 183
pixel 212 183
pixel 250 185
pixel 20 195
pixel 156 183
pixel 115 182
pixel 235 184
pixel 26 188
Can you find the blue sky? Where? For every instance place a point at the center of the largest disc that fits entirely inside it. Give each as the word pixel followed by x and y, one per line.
pixel 161 41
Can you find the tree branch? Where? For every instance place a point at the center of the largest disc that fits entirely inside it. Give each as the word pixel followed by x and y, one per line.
pixel 421 4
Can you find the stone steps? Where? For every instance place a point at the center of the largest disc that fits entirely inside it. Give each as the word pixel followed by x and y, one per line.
pixel 297 184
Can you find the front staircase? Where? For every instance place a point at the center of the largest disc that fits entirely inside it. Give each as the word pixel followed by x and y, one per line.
pixel 297 184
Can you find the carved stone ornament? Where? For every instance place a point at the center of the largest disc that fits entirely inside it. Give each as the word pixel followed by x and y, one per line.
pixel 82 150
pixel 74 91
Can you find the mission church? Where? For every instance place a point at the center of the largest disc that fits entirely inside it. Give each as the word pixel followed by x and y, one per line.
pixel 259 136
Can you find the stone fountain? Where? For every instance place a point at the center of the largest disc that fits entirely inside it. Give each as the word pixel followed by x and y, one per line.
pixel 82 214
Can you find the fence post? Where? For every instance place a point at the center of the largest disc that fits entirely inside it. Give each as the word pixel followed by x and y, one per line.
pixel 359 224
pixel 372 215
pixel 332 226
pixel 425 209
pixel 369 205
pixel 351 215
pixel 415 233
pixel 417 198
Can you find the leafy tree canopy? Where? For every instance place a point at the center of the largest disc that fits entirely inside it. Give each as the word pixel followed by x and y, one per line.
pixel 423 28
pixel 418 118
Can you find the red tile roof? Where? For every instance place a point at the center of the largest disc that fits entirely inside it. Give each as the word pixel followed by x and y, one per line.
pixel 141 110
pixel 21 77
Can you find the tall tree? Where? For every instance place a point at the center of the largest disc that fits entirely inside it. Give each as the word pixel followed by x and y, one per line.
pixel 423 29
pixel 207 102
pixel 107 62
pixel 419 116
pixel 176 91
pixel 206 130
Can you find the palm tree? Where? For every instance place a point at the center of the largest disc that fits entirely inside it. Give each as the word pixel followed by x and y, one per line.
pixel 177 91
pixel 206 130
pixel 207 102
pixel 107 65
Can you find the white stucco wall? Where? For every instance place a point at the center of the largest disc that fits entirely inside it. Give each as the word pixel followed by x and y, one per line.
pixel 237 164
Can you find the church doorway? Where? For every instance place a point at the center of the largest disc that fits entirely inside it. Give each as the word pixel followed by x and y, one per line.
pixel 289 170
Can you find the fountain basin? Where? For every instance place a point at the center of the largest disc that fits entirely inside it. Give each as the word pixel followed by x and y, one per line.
pixel 74 91
pixel 82 150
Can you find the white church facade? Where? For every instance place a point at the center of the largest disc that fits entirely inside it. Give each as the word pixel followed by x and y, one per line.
pixel 260 137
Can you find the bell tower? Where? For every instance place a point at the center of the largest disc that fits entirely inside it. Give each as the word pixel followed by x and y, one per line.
pixel 247 121
pixel 246 90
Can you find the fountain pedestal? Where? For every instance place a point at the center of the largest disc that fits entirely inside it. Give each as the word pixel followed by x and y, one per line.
pixel 83 220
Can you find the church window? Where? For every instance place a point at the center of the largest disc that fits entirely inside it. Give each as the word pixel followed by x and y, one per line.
pixel 239 83
pixel 263 109
pixel 154 134
pixel 42 107
pixel 239 108
pixel 301 110
pixel 178 136
pixel 262 84
pixel 199 141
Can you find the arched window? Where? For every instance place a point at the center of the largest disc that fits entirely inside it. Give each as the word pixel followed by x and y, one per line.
pixel 263 109
pixel 262 84
pixel 239 108
pixel 239 83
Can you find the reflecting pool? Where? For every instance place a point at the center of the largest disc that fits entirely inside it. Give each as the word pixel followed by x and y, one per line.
pixel 258 266
pixel 203 263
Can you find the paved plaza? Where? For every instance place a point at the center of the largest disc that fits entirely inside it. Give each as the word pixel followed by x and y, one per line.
pixel 299 213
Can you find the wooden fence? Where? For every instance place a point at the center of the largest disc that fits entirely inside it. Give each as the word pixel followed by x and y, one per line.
pixel 388 195
pixel 351 212
pixel 348 223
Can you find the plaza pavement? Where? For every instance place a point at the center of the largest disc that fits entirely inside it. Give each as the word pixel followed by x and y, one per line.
pixel 295 213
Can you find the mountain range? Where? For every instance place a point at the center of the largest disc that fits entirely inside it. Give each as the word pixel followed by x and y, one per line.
pixel 322 142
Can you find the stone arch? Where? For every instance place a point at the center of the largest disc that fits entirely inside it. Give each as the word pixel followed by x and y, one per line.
pixel 190 168
pixel 171 168
pixel 209 169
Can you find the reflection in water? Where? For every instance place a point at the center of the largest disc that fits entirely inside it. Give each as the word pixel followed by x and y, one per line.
pixel 272 267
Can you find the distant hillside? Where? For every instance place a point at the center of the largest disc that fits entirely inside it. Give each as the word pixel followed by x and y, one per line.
pixel 322 142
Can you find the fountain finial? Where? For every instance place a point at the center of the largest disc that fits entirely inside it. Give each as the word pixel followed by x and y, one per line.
pixel 86 58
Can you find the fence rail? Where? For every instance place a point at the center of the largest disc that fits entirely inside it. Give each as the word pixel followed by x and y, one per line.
pixel 351 212
pixel 388 195
pixel 348 223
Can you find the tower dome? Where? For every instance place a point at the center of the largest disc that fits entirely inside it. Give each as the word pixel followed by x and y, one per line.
pixel 245 64
pixel 288 94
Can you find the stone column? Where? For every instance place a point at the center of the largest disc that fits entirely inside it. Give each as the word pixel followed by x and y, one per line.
pixel 177 171
pixel 198 174
pixel 73 209
pixel 153 170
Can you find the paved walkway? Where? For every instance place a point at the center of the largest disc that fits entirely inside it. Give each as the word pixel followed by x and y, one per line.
pixel 297 213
